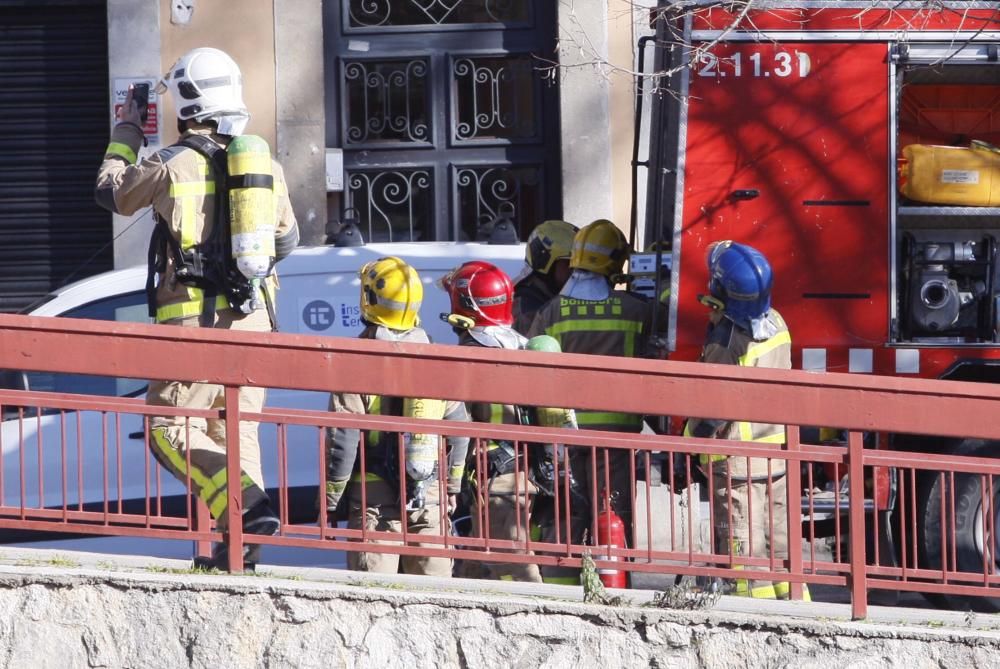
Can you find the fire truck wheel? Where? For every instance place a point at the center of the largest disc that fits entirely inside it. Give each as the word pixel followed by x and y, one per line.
pixel 967 527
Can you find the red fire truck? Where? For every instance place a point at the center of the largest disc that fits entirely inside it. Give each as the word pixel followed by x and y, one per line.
pixel 784 128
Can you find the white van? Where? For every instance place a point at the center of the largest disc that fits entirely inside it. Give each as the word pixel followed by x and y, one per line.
pixel 318 295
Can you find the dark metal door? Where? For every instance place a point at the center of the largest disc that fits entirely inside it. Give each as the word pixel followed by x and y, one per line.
pixel 53 128
pixel 446 112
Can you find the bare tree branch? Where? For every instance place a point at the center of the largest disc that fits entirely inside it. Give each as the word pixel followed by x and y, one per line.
pixel 675 12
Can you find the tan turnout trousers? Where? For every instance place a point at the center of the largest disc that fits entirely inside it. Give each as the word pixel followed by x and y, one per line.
pixel 508 515
pixel 744 506
pixel 177 441
pixel 383 515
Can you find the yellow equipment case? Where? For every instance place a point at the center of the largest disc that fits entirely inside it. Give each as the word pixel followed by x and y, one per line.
pixel 952 175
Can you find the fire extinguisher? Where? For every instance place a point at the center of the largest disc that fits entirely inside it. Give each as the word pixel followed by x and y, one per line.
pixel 610 532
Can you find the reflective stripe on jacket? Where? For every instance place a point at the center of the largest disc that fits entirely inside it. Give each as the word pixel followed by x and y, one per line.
pixel 729 344
pixel 617 325
pixel 178 183
pixel 342 443
pixel 488 412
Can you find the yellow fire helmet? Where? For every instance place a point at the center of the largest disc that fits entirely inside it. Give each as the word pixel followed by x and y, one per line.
pixel 391 293
pixel 600 247
pixel 548 242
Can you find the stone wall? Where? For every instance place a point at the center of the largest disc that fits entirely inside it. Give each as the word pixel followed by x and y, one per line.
pixel 88 618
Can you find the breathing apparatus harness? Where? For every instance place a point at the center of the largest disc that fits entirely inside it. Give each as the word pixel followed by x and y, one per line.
pixel 209 265
pixel 385 463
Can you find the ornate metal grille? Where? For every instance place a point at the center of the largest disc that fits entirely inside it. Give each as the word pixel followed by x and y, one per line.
pixel 387 101
pixel 396 206
pixel 495 98
pixel 443 116
pixel 487 192
pixel 381 13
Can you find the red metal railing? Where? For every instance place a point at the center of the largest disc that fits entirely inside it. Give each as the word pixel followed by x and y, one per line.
pixel 82 463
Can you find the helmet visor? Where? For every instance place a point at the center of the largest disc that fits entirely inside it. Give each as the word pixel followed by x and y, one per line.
pixel 715 251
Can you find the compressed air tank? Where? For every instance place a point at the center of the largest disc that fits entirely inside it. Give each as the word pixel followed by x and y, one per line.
pixel 252 211
pixel 421 450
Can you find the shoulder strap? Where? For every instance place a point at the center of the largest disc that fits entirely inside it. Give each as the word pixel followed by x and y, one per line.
pixel 205 147
pixel 216 156
pixel 156 262
pixel 218 242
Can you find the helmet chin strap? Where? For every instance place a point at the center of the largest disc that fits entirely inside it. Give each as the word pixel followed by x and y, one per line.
pixel 458 321
pixel 712 302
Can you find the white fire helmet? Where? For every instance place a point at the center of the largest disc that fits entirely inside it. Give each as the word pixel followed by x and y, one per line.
pixel 206 84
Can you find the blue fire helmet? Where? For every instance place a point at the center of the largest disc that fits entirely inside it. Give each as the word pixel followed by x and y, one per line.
pixel 740 276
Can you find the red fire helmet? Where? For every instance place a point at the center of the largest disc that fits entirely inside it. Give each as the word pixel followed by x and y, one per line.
pixel 480 291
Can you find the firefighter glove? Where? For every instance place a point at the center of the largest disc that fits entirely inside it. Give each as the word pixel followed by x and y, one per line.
pixel 455 475
pixel 680 480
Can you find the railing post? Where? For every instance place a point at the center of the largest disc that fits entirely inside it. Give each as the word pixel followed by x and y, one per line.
pixel 234 479
pixel 202 522
pixel 856 497
pixel 793 474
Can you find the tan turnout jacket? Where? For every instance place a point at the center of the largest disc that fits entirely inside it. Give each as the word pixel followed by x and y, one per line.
pixel 729 344
pixel 178 183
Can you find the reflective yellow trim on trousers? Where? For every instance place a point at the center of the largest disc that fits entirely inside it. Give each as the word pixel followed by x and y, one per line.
pixel 193 307
pixel 245 482
pixel 782 589
pixel 561 580
pixel 122 151
pixel 743 589
pixel 629 328
pixel 207 490
pixel 222 490
pixel 369 478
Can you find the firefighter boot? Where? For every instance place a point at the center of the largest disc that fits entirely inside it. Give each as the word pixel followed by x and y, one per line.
pixel 260 519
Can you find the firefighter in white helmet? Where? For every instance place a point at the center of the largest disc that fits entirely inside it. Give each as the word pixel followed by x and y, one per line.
pixel 546 259
pixel 182 184
pixel 391 295
pixel 590 316
pixel 745 330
